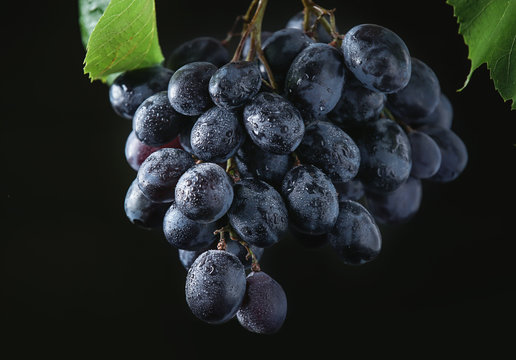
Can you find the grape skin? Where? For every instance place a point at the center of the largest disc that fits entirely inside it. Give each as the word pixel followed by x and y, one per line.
pixel 215 286
pixel 355 236
pixel 141 211
pixel 311 199
pixel 203 48
pixel 426 155
pixel 159 173
pixel 204 193
pixel 441 116
pixel 351 190
pixel 216 135
pixel 264 307
pixel 377 57
pixel 188 88
pixel 258 214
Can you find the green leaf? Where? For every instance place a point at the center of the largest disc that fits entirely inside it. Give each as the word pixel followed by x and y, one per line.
pixel 489 30
pixel 90 12
pixel 125 38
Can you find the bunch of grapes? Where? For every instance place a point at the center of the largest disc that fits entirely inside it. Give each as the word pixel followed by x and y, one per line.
pixel 304 131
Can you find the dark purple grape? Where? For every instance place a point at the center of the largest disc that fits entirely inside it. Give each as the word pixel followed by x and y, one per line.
pixel 216 135
pixel 240 252
pixel 215 286
pixel 258 214
pixel 315 79
pixel 385 155
pixel 426 155
pixel 204 48
pixel 264 308
pixel 234 84
pixel 330 149
pixel 273 123
pixel 254 162
pixel 454 155
pixel 311 199
pixel 155 122
pixel 204 193
pixel 159 173
pixel 377 57
pixel 186 234
pixel 421 95
pixel 141 211
pixel 184 136
pixel 188 88
pixel 398 206
pixel 280 50
pixel 355 236
pixel 321 34
pixel 441 116
pixel 136 152
pixel 131 88
pixel 352 190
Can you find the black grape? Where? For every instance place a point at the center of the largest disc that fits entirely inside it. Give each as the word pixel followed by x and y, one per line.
pixel 155 122
pixel 184 136
pixel 186 234
pixel 385 155
pixel 454 155
pixel 273 123
pixel 377 57
pixel 297 22
pixel 426 155
pixel 240 252
pixel 355 236
pixel 204 193
pixel 132 87
pixel 421 95
pixel 254 162
pixel 142 211
pixel 188 88
pixel 281 48
pixel 397 206
pixel 136 152
pixel 159 173
pixel 311 199
pixel 235 83
pixel 264 308
pixel 330 149
pixel 215 286
pixel 216 135
pixel 315 79
pixel 441 116
pixel 351 190
pixel 258 214
pixel 199 49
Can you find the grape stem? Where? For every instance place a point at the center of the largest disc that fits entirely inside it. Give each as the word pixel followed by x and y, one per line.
pixel 232 170
pixel 221 245
pixel 388 114
pixel 330 26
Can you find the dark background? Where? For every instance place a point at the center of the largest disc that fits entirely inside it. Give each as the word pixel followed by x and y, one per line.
pixel 77 277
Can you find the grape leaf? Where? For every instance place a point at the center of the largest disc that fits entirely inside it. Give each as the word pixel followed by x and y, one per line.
pixel 90 12
pixel 125 38
pixel 489 30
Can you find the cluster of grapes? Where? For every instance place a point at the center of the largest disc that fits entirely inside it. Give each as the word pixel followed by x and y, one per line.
pixel 321 140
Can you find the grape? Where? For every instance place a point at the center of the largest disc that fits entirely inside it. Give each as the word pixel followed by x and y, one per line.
pixel 377 57
pixel 206 49
pixel 142 211
pixel 331 150
pixel 311 199
pixel 184 136
pixel 454 155
pixel 187 257
pixel 385 155
pixel 264 308
pixel 136 151
pixel 273 123
pixel 297 22
pixel 355 236
pixel 159 173
pixel 216 135
pixel 315 79
pixel 258 214
pixel 253 162
pixel 131 88
pixel 426 155
pixel 240 252
pixel 441 116
pixel 397 206
pixel 235 83
pixel 186 234
pixel 204 193
pixel 215 286
pixel 155 122
pixel 351 190
pixel 188 88
pixel 281 48
pixel 421 95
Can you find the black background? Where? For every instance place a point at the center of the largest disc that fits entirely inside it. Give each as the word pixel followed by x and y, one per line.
pixel 77 277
